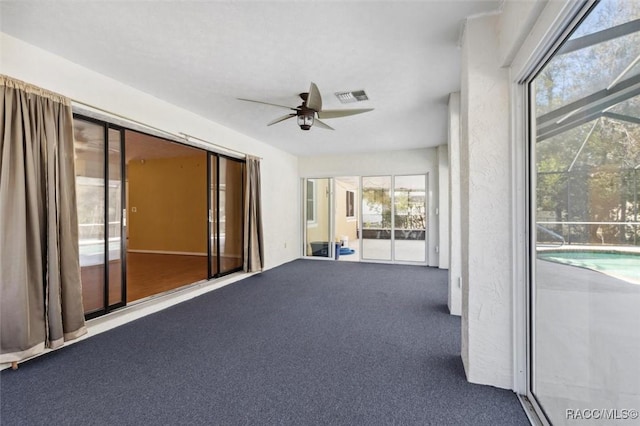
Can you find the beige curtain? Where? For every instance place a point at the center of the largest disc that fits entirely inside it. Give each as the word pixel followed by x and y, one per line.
pixel 253 246
pixel 40 290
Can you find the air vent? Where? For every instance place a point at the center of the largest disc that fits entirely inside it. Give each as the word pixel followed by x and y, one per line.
pixel 351 97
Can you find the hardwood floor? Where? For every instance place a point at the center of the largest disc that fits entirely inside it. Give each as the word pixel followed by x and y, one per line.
pixel 149 274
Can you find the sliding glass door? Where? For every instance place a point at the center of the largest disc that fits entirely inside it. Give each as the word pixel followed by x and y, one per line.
pixel 214 268
pixel 166 183
pixel 390 224
pixel 377 223
pixel 226 215
pixel 346 218
pixel 410 218
pixel 99 194
pixel 115 227
pixel 394 218
pixel 585 231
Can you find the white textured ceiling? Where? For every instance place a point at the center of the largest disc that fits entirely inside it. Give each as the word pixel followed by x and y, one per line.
pixel 202 55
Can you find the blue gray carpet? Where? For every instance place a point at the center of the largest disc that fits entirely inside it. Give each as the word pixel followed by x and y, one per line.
pixel 307 343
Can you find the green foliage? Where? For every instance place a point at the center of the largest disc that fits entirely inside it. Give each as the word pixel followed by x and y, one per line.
pixel 590 173
pixel 409 208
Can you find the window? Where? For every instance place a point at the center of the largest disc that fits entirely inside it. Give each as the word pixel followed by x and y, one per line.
pixel 351 204
pixel 311 201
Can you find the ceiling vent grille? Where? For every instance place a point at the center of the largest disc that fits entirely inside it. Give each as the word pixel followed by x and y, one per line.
pixel 351 97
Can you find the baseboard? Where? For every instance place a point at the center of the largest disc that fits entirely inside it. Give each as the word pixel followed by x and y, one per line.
pixel 180 253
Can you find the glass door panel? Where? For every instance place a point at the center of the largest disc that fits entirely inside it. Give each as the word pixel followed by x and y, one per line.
pixel 410 218
pixel 317 231
pixel 90 168
pixel 213 217
pixel 346 218
pixel 115 208
pixel 376 218
pixel 585 290
pixel 230 214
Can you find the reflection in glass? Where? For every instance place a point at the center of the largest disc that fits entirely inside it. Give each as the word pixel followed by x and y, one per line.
pixel 231 216
pixel 89 151
pixel 115 218
pixel 346 217
pixel 410 219
pixel 376 218
pixel 586 287
pixel 578 72
pixel 213 217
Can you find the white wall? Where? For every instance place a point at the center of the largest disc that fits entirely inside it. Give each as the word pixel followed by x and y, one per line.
pixel 443 206
pixel 454 300
pixel 487 350
pixel 280 186
pixel 415 161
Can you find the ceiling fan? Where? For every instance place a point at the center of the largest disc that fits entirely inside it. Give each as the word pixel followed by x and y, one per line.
pixel 310 112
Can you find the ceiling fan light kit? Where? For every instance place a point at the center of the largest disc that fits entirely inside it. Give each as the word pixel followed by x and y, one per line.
pixel 305 121
pixel 310 112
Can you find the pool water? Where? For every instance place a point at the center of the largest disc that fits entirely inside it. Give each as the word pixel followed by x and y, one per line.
pixel 622 265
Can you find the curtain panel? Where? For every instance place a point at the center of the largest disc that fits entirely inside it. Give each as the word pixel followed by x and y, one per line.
pixel 253 245
pixel 40 288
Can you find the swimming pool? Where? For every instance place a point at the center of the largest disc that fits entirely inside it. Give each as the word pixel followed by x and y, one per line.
pixel 618 264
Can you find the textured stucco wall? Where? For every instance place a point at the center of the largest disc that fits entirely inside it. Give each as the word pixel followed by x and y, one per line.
pixel 485 208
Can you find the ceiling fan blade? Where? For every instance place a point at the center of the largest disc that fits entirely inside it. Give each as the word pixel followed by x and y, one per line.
pixel 335 113
pixel 314 100
pixel 284 117
pixel 267 103
pixel 322 125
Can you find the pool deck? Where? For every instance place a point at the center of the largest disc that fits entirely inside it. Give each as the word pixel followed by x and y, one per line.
pixel 591 319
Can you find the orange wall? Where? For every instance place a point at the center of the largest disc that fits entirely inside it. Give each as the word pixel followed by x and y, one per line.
pixel 170 201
